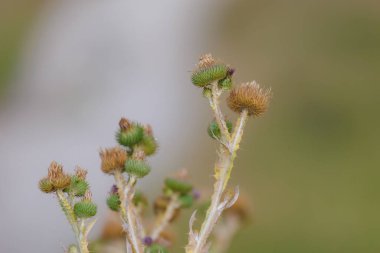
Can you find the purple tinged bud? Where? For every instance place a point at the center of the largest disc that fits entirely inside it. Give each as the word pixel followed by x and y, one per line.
pixel 230 71
pixel 148 241
pixel 114 189
pixel 196 194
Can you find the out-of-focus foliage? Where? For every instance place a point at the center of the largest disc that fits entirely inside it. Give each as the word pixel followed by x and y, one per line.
pixel 313 161
pixel 15 17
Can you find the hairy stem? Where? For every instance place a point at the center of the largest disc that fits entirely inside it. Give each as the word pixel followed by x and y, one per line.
pixel 79 229
pixel 127 213
pixel 223 168
pixel 164 220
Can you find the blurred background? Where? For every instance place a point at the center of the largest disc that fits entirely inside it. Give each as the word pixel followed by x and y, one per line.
pixel 310 167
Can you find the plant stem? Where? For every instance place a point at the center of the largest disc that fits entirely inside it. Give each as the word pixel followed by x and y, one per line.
pixel 126 192
pixel 164 220
pixel 223 168
pixel 79 230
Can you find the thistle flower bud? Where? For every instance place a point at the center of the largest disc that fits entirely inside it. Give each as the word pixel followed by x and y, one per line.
pixel 137 168
pixel 225 83
pixel 148 145
pixel 207 92
pixel 156 248
pixel 250 97
pixel 204 76
pixel 186 200
pixel 85 209
pixel 78 186
pixel 113 202
pixel 55 170
pixel 129 134
pixel 112 159
pixel 60 182
pixel 178 186
pixel 45 185
pixel 214 130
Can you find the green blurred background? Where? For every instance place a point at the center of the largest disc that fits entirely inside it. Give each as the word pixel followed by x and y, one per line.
pixel 310 166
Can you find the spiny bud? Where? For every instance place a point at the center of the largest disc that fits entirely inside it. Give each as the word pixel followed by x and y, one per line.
pixel 113 202
pixel 156 248
pixel 137 168
pixel 148 145
pixel 178 186
pixel 214 130
pixel 129 134
pixel 186 200
pixel 250 97
pixel 85 209
pixel 78 186
pixel 225 83
pixel 204 76
pixel 112 159
pixel 80 173
pixel 45 185
pixel 207 92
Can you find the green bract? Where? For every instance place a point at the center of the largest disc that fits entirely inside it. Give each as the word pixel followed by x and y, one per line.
pixel 225 83
pixel 78 187
pixel 178 186
pixel 148 145
pixel 130 137
pixel 85 209
pixel 186 201
pixel 137 168
pixel 207 75
pixel 214 131
pixel 156 248
pixel 113 202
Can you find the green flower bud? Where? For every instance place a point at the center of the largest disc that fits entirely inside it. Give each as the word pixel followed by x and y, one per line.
pixel 85 209
pixel 148 145
pixel 178 186
pixel 204 76
pixel 214 131
pixel 113 202
pixel 186 201
pixel 45 185
pixel 207 92
pixel 130 137
pixel 156 248
pixel 137 168
pixel 225 83
pixel 78 186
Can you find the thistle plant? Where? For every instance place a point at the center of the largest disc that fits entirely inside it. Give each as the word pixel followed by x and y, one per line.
pixel 127 164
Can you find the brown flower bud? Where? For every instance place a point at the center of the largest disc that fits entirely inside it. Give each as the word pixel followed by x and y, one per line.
pixel 250 97
pixel 124 124
pixel 112 159
pixel 80 173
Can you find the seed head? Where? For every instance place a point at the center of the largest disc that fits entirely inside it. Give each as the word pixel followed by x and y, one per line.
pixel 112 159
pixel 250 97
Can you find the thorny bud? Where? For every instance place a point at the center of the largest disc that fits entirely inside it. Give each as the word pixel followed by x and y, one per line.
pixel 57 177
pixel 124 124
pixel 250 97
pixel 45 185
pixel 130 133
pixel 208 71
pixel 113 202
pixel 112 159
pixel 85 209
pixel 78 186
pixel 138 168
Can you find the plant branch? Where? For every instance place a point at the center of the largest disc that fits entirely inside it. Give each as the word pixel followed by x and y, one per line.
pixel 127 212
pixel 222 170
pixel 164 219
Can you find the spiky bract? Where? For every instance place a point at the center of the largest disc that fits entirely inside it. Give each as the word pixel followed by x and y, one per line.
pixel 78 186
pixel 137 168
pixel 225 83
pixel 45 185
pixel 214 130
pixel 85 209
pixel 148 144
pixel 131 136
pixel 113 202
pixel 250 97
pixel 206 75
pixel 178 186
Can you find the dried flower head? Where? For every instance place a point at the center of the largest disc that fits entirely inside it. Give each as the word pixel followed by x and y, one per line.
pixel 206 60
pixel 250 97
pixel 124 124
pixel 45 185
pixel 55 170
pixel 80 173
pixel 57 177
pixel 112 159
pixel 87 196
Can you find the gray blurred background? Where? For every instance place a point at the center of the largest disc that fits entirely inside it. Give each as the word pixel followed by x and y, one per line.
pixel 310 167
